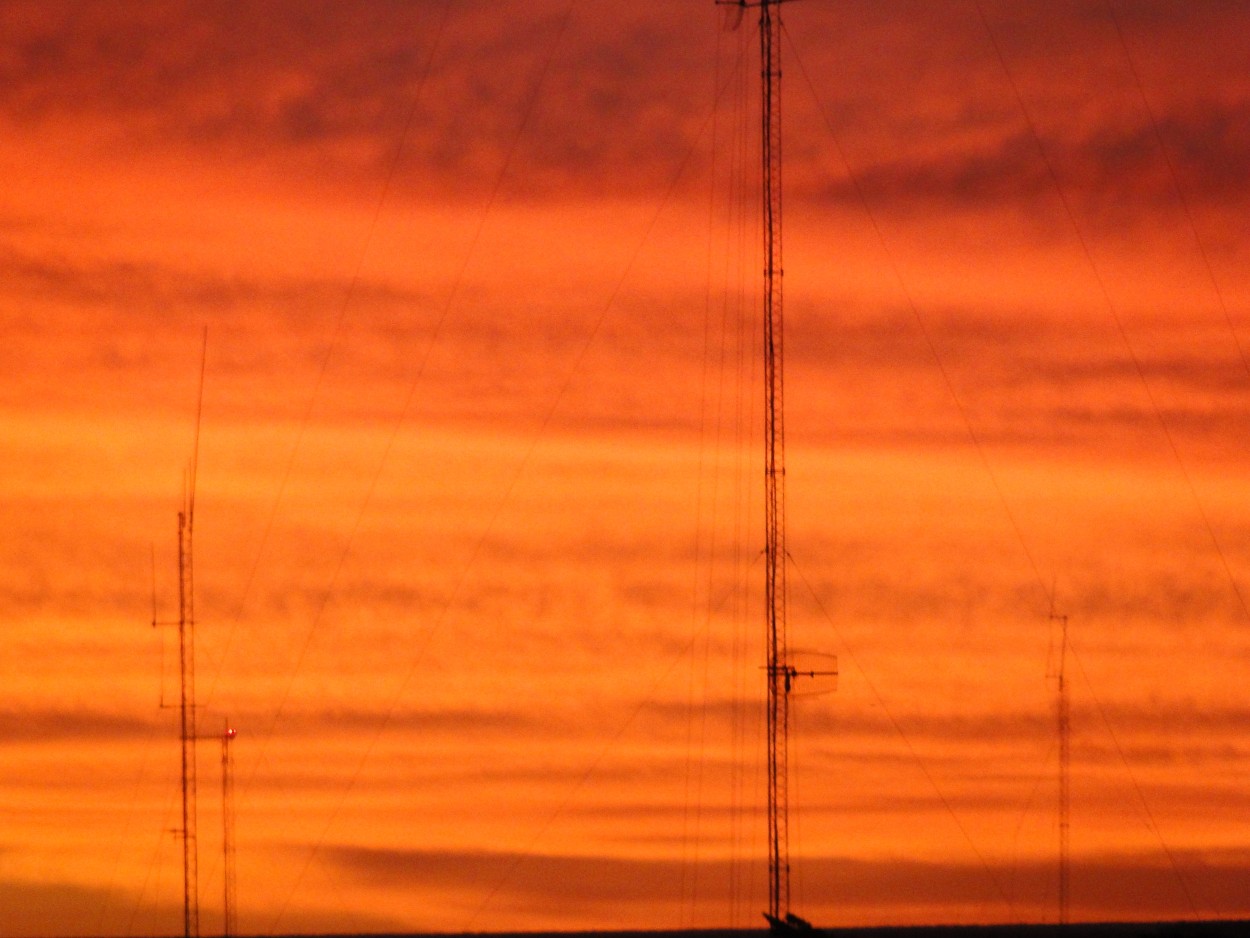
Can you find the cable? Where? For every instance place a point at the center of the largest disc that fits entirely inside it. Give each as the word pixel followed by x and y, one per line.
pixel 1113 312
pixel 1141 796
pixel 926 334
pixel 332 344
pixel 1174 174
pixel 898 728
pixel 593 766
pixel 490 203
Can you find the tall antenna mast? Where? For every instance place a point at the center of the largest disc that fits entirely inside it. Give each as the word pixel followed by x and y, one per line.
pixel 186 658
pixel 779 672
pixel 186 666
pixel 229 915
pixel 1065 765
pixel 774 470
pixel 186 711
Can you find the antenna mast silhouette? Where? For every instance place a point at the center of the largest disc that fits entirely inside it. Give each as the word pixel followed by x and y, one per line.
pixel 186 666
pixel 229 915
pixel 186 711
pixel 1065 765
pixel 779 676
pixel 186 655
pixel 781 673
pixel 185 623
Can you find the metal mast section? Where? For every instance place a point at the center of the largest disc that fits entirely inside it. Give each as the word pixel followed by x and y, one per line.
pixel 777 669
pixel 1065 763
pixel 780 672
pixel 229 915
pixel 186 657
pixel 186 711
pixel 185 624
pixel 186 666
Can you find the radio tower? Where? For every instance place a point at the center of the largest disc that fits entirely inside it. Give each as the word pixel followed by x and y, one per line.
pixel 186 666
pixel 779 676
pixel 186 710
pixel 229 914
pixel 780 673
pixel 1065 763
pixel 185 623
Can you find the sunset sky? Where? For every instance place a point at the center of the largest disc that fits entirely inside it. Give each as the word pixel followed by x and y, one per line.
pixel 479 520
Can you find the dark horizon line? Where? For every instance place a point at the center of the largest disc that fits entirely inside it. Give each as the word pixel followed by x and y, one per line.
pixel 1167 928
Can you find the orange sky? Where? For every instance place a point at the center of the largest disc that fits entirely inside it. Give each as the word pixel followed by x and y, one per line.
pixel 478 514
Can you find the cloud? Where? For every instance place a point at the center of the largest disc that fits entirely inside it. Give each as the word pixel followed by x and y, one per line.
pixel 57 909
pixel 925 138
pixel 462 722
pixel 900 888
pixel 318 87
pixel 35 726
pixel 1026 376
pixel 1208 728
pixel 128 327
pixel 153 293
pixel 1115 174
pixel 185 163
pixel 585 108
pixel 1019 376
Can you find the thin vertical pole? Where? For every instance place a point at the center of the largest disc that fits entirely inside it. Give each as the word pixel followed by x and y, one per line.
pixel 186 653
pixel 187 731
pixel 228 912
pixel 1065 764
pixel 774 467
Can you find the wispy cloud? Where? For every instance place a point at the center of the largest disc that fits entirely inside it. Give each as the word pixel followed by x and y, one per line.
pixel 34 726
pixel 50 909
pixel 317 87
pixel 521 587
pixel 545 884
pixel 1116 174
